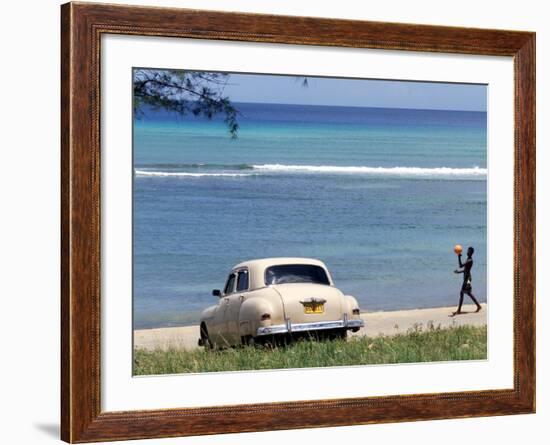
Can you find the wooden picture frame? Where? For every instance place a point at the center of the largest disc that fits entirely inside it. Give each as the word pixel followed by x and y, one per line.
pixel 82 26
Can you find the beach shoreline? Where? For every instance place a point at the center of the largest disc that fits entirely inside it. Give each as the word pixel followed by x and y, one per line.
pixel 376 323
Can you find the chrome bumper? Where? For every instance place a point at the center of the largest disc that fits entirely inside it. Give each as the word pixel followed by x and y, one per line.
pixel 290 327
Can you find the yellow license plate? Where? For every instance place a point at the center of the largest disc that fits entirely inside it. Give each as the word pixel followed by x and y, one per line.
pixel 314 308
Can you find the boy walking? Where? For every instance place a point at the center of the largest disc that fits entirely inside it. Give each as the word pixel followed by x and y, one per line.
pixel 466 268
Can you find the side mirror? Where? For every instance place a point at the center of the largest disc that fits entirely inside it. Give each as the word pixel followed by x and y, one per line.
pixel 216 293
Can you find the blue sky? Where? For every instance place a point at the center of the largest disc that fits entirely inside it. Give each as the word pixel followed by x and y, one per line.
pixel 356 92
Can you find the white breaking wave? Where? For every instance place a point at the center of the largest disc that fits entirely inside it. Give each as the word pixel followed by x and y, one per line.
pixel 397 171
pixel 411 172
pixel 186 174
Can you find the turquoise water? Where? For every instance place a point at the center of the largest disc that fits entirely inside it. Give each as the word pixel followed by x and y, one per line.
pixel 380 195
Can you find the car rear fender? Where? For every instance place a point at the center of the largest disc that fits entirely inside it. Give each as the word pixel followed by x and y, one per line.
pixel 252 310
pixel 351 305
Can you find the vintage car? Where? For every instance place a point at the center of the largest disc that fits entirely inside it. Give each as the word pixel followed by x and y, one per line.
pixel 278 299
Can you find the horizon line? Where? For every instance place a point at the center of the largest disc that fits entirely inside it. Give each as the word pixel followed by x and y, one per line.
pixel 360 106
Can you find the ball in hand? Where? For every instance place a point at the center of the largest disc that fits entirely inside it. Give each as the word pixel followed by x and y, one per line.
pixel 458 249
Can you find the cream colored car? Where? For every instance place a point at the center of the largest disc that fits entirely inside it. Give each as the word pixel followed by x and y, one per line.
pixel 276 299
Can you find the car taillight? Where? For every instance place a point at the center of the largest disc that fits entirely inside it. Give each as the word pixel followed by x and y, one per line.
pixel 265 317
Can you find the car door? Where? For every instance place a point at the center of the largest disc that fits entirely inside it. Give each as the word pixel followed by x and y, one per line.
pixel 233 308
pixel 221 335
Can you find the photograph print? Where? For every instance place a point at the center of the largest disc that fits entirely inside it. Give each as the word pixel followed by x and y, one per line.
pixel 294 221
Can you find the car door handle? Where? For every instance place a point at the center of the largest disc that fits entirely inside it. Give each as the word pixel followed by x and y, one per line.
pixel 241 298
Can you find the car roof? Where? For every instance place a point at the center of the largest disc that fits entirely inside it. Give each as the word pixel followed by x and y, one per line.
pixel 267 262
pixel 256 268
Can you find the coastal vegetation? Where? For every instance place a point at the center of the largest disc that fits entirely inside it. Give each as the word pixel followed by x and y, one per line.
pixel 195 93
pixel 184 92
pixel 421 344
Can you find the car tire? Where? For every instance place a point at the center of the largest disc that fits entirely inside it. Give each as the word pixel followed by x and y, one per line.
pixel 205 339
pixel 248 340
pixel 338 335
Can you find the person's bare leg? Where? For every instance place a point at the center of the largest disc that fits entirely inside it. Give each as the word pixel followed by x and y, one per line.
pixel 475 301
pixel 460 301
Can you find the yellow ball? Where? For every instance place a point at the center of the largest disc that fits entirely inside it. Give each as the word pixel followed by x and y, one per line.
pixel 458 249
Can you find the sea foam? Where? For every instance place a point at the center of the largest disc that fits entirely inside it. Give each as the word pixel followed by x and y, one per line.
pixel 266 169
pixel 187 174
pixel 397 171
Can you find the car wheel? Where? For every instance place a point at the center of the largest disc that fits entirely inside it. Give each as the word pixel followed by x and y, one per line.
pixel 248 340
pixel 338 335
pixel 205 339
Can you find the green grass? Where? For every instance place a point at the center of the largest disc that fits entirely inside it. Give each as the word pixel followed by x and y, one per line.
pixel 417 345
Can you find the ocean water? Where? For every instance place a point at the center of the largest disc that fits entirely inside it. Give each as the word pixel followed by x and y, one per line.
pixel 380 195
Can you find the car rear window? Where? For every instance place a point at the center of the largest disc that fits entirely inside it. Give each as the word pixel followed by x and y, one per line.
pixel 296 273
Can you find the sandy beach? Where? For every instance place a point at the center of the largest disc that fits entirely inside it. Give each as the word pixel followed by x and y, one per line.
pixel 376 323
